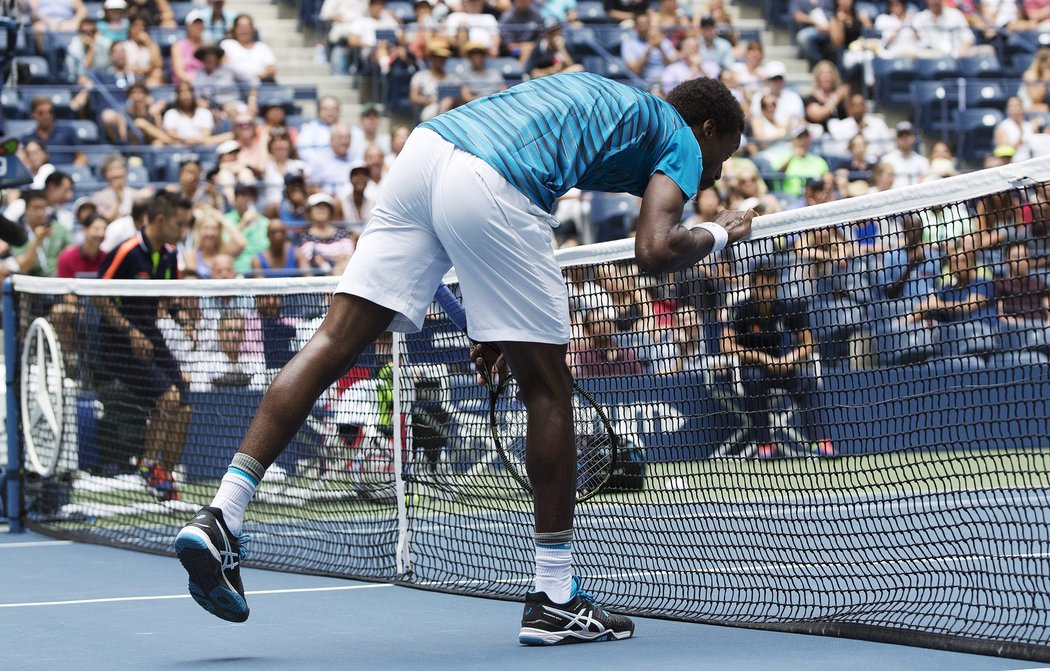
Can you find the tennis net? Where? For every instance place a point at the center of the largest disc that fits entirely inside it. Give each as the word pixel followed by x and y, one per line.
pixel 836 427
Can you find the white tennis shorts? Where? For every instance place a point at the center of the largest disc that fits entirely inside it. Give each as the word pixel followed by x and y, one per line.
pixel 442 207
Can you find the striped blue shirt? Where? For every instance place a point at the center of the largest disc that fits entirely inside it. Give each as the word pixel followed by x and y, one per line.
pixel 554 133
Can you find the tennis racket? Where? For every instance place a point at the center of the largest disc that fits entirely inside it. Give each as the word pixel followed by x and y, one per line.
pixel 597 446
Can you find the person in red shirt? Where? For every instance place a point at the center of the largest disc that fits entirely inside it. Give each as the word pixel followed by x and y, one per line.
pixel 85 259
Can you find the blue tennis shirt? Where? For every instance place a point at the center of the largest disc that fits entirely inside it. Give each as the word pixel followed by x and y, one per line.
pixel 554 133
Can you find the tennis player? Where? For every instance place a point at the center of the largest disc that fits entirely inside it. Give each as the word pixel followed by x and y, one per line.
pixel 474 188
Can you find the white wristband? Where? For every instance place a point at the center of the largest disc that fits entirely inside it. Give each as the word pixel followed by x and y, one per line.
pixel 719 233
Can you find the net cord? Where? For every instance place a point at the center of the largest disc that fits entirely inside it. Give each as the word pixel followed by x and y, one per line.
pixel 402 559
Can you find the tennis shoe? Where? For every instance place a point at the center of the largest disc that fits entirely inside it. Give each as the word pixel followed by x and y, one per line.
pixel 578 621
pixel 212 557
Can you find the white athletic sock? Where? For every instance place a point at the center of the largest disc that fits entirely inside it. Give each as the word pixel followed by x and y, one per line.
pixel 554 571
pixel 235 491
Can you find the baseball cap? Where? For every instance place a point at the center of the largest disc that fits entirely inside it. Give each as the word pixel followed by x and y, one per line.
pixel 799 131
pixel 371 108
pixel 114 4
pixel 358 165
pixel 319 199
pixel 774 69
pixel 194 15
pixel 227 147
pixel 905 128
pixel 471 47
pixel 439 49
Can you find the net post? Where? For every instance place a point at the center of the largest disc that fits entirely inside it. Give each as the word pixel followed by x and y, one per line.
pixel 403 561
pixel 13 502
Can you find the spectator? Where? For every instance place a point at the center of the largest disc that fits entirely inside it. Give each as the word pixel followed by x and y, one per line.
pixel 521 26
pixel 1015 131
pixel 323 245
pixel 772 339
pixel 230 171
pixel 315 136
pixel 941 149
pixel 1023 299
pixel 714 49
pixel 123 228
pixel 562 11
pixel 1036 15
pixel 746 189
pixel 340 15
pixel 765 127
pixel 281 258
pixel 355 202
pixel 278 333
pixel 812 26
pixel 375 163
pixel 706 206
pixel 292 208
pixel 229 366
pixel 275 118
pixel 37 160
pixel 827 101
pixel 750 73
pixel 114 23
pixel 253 153
pixel 187 123
pixel 1035 89
pixel 471 25
pixel 598 353
pixel 194 190
pixel 896 29
pixel 815 191
pixel 58 189
pixel 252 225
pixel 54 16
pixel 425 84
pixel 117 73
pixel 687 336
pixel 144 58
pixel 116 198
pixel 329 170
pixel 283 161
pixel 155 12
pixel 800 164
pixel 905 273
pixel 142 115
pixel 859 121
pixel 247 56
pixel 690 66
pixel 845 26
pixel 480 79
pixel 625 11
pixel 47 239
pixel 221 85
pixel 944 30
pixel 368 134
pixel 791 111
pixel 213 235
pixel 423 31
pixel 908 165
pixel 60 141
pixel 361 33
pixel 218 21
pixel 647 51
pixel 88 50
pixel 184 62
pixel 550 55
pixel 85 259
pixel 398 138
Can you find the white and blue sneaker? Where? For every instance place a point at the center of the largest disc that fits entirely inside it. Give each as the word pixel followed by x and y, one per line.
pixel 212 556
pixel 578 621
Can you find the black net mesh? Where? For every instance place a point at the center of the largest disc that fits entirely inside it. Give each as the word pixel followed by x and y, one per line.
pixel 840 430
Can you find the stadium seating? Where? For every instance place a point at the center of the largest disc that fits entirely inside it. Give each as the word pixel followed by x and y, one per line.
pixel 937 68
pixel 986 94
pixel 893 78
pixel 935 102
pixel 975 129
pixel 980 66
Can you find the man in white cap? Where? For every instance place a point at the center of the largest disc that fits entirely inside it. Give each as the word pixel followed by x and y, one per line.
pixel 791 111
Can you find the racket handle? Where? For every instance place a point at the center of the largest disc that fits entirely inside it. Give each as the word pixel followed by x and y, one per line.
pixel 448 302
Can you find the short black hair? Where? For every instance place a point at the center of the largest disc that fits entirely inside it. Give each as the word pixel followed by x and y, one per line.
pixel 698 100
pixel 57 178
pixel 34 194
pixel 165 203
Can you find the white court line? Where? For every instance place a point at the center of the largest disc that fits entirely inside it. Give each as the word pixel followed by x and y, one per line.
pixel 33 544
pixel 166 597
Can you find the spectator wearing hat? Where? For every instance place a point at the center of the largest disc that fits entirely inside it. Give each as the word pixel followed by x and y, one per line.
pixel 367 133
pixel 220 85
pixel 253 225
pixel 646 50
pixel 231 171
pixel 908 165
pixel 715 49
pixel 472 25
pixel 184 62
pixel 550 55
pixel 114 23
pixel 217 20
pixel 324 245
pixel 480 79
pixel 282 160
pixel 247 56
pixel 521 25
pixel 330 169
pixel 186 122
pixel 274 116
pixel 800 164
pixel 88 50
pixel 315 136
pixel 791 111
pixel 424 86
pixel 355 202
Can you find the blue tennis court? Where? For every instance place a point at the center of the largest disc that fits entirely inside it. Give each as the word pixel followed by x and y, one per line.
pixel 74 605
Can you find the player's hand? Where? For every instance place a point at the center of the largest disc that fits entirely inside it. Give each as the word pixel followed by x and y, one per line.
pixel 488 362
pixel 736 222
pixel 141 346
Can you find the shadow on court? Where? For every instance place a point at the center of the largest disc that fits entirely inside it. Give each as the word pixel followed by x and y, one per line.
pixel 71 605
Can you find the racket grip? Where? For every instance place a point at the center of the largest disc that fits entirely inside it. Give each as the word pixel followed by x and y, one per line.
pixel 452 307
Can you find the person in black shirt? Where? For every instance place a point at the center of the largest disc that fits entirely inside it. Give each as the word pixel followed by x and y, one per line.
pixel 772 339
pixel 136 353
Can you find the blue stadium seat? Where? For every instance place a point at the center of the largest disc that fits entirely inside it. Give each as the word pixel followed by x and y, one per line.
pixel 166 38
pixel 986 94
pixel 613 68
pixel 510 68
pixel 456 66
pixel 60 97
pixel 936 68
pixel 980 66
pixel 19 127
pixel 94 9
pixel 86 130
pixel 592 11
pixel 138 176
pixel 32 69
pixel 975 129
pixel 893 78
pixel 23 45
pixel 402 11
pixel 281 95
pixel 448 90
pixel 935 102
pixel 612 215
pixel 180 9
pixel 13 104
pixel 80 174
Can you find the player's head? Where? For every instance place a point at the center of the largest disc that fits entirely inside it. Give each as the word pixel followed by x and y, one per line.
pixel 164 216
pixel 716 119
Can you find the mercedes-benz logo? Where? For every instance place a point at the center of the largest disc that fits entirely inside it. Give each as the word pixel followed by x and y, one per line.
pixel 43 402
